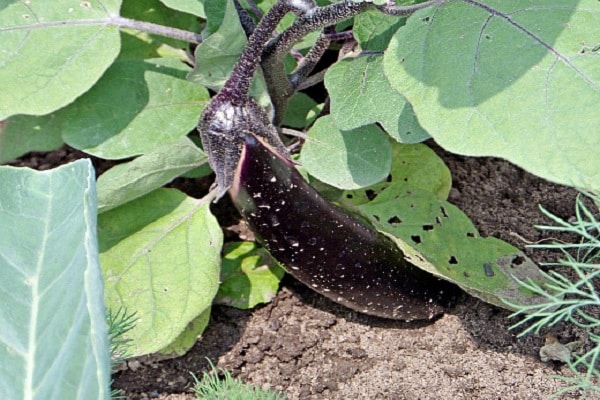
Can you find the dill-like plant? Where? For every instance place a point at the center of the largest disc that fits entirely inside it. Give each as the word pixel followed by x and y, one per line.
pixel 119 323
pixel 211 387
pixel 573 300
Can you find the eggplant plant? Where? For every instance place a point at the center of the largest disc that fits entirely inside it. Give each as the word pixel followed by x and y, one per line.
pixel 358 268
pixel 469 74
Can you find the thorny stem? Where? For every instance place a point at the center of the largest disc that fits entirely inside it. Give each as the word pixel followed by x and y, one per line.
pixel 308 63
pixel 161 30
pixel 238 85
pixel 245 19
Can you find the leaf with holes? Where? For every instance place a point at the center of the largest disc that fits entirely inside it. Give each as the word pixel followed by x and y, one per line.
pixel 439 238
pixel 511 79
pixel 414 166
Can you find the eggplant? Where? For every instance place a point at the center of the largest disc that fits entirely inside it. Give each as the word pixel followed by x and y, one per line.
pixel 326 248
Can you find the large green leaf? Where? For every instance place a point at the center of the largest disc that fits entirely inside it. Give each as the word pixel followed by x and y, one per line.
pixel 188 338
pixel 370 99
pixel 138 45
pixel 439 238
pixel 512 79
pixel 53 341
pixel 346 160
pixel 160 257
pixel 21 134
pixel 414 166
pixel 53 51
pixel 373 29
pixel 194 7
pixel 136 106
pixel 129 181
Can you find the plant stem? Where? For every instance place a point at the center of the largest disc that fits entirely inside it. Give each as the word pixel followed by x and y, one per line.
pixel 280 88
pixel 238 85
pixel 161 30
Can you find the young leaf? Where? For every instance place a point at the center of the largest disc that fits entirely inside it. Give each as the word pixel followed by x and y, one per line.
pixel 370 99
pixel 21 134
pixel 508 80
pixel 129 181
pixel 249 276
pixel 54 340
pixel 439 238
pixel 160 258
pixel 135 107
pixel 346 160
pixel 52 52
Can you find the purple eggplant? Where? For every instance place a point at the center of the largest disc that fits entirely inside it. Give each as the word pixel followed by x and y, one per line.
pixel 326 248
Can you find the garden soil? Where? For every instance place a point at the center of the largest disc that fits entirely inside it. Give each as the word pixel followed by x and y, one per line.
pixel 307 347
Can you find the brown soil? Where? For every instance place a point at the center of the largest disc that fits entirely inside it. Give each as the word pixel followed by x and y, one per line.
pixel 310 348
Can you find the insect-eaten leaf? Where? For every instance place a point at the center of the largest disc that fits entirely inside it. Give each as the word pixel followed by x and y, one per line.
pixel 413 165
pixel 439 238
pixel 249 276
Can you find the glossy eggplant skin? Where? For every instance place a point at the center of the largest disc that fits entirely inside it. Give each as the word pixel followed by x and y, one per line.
pixel 326 248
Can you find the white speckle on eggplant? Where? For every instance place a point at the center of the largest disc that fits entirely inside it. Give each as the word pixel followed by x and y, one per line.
pixel 381 281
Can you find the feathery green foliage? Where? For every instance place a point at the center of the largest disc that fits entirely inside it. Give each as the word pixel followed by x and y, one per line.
pixel 571 300
pixel 211 387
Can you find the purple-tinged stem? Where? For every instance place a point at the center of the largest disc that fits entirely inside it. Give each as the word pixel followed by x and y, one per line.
pixel 237 87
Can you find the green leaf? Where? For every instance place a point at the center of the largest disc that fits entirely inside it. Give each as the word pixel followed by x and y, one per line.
pixel 54 340
pixel 52 52
pixel 143 45
pixel 373 29
pixel 129 181
pixel 301 111
pixel 370 99
pixel 21 134
pixel 136 106
pixel 216 56
pixel 194 7
pixel 160 257
pixel 215 12
pixel 249 276
pixel 188 337
pixel 515 81
pixel 346 160
pixel 439 238
pixel 413 166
